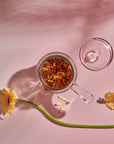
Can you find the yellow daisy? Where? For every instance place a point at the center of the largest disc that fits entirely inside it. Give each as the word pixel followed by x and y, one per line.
pixel 7 99
pixel 109 100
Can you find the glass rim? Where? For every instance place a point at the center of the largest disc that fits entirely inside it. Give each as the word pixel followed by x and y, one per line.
pixel 61 55
pixel 108 47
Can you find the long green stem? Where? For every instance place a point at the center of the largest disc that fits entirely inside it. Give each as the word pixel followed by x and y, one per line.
pixel 64 123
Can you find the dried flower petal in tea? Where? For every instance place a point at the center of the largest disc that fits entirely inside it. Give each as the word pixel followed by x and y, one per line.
pixel 56 72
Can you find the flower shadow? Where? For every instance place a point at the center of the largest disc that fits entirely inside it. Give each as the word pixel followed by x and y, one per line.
pixel 47 15
pixel 25 84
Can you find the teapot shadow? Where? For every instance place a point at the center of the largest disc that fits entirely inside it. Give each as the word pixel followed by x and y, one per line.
pixel 25 84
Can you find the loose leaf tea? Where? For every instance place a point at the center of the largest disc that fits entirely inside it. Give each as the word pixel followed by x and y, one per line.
pixel 56 72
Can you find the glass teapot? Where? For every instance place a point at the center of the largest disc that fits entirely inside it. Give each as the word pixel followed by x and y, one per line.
pixel 56 72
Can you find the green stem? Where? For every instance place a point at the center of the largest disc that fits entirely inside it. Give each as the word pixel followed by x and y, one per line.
pixel 64 123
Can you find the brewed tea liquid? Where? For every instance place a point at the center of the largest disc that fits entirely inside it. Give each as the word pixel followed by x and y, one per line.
pixel 56 72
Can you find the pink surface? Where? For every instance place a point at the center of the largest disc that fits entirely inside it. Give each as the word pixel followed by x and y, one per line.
pixel 24 39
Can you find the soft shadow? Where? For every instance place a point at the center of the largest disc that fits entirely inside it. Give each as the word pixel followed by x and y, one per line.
pixel 26 16
pixel 25 84
pixel 1 114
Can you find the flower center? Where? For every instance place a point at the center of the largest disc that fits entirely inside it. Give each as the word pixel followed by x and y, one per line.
pixel 8 100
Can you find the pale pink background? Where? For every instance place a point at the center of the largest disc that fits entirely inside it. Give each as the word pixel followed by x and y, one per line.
pixel 29 30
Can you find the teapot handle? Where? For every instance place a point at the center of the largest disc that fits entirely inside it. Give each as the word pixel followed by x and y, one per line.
pixel 86 96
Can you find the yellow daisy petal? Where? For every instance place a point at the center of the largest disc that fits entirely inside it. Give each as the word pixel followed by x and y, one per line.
pixel 109 100
pixel 7 98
